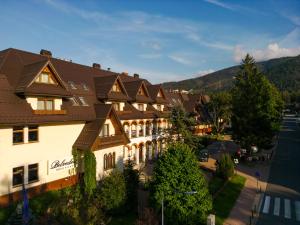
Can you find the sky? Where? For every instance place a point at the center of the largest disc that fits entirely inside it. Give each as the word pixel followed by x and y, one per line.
pixel 162 40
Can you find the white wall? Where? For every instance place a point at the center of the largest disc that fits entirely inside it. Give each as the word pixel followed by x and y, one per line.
pixel 100 156
pixel 55 142
pixel 111 127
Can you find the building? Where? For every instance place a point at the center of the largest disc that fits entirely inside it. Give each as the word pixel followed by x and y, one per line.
pixel 48 107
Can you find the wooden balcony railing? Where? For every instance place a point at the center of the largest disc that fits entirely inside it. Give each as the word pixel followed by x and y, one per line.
pixel 49 112
pixel 110 140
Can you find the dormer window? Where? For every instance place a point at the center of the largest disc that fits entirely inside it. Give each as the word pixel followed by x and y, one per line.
pixel 85 87
pixel 72 85
pixel 141 107
pixel 116 106
pixel 45 104
pixel 45 78
pixel 141 91
pixel 116 87
pixel 74 101
pixel 83 101
pixel 159 94
pixel 159 108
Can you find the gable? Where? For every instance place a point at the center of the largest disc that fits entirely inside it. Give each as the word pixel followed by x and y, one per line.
pixel 46 76
pixel 117 87
pixel 142 90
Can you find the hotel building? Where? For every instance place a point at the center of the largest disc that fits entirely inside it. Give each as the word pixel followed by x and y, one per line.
pixel 48 107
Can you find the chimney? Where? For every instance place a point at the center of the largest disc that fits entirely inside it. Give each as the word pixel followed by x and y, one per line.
pixel 125 73
pixel 46 53
pixel 136 75
pixel 96 66
pixel 108 68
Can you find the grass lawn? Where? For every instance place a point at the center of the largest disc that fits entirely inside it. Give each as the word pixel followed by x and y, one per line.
pixel 215 184
pixel 128 219
pixel 226 199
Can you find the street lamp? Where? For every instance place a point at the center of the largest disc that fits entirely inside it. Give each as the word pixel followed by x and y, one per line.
pixel 162 202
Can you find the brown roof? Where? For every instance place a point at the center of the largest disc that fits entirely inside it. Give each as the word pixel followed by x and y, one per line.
pixel 104 85
pixel 19 69
pixel 91 130
pixel 153 91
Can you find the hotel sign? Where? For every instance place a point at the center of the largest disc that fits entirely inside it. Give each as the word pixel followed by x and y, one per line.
pixel 59 165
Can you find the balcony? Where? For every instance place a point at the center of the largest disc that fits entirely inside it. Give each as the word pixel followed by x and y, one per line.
pixel 49 112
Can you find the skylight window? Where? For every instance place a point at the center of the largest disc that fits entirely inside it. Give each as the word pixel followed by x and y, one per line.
pixel 85 87
pixel 72 85
pixel 74 101
pixel 83 101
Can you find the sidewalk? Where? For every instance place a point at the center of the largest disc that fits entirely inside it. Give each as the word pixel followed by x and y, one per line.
pixel 249 197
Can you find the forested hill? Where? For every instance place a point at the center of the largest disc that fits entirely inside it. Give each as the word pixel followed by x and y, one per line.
pixel 283 72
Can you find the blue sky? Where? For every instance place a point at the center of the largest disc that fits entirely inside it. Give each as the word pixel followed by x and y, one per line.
pixel 162 40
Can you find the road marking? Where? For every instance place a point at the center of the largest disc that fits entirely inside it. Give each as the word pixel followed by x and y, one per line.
pixel 287 208
pixel 297 208
pixel 267 204
pixel 277 207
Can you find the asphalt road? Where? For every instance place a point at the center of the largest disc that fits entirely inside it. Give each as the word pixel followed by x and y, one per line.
pixel 281 202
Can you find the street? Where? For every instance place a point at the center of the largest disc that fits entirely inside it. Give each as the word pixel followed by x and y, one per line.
pixel 281 201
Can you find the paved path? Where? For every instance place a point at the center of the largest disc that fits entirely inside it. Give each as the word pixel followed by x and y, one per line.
pixel 281 202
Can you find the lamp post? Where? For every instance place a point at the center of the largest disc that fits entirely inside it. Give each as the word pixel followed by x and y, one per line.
pixel 162 202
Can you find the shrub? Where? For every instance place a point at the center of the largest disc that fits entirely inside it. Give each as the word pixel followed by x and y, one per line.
pixel 225 167
pixel 112 191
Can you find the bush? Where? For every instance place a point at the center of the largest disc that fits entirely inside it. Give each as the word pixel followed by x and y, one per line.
pixel 225 167
pixel 112 191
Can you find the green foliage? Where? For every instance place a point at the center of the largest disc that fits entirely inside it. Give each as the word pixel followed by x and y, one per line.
pixel 89 173
pixel 225 167
pixel 176 173
pixel 256 106
pixel 225 200
pixel 220 110
pixel 182 124
pixel 215 184
pixel 112 191
pixel 132 182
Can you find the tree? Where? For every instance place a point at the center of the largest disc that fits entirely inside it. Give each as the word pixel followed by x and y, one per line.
pixel 89 173
pixel 175 174
pixel 225 167
pixel 256 106
pixel 181 124
pixel 112 191
pixel 132 181
pixel 220 110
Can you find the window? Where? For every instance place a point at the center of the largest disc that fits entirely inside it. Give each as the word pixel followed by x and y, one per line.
pixel 141 107
pixel 148 128
pixel 159 108
pixel 33 173
pixel 74 101
pixel 45 104
pixel 33 133
pixel 72 85
pixel 116 87
pixel 18 176
pixel 159 94
pixel 18 135
pixel 105 131
pixel 45 78
pixel 83 101
pixel 116 106
pixel 141 91
pixel 133 131
pixel 85 87
pixel 109 161
pixel 141 130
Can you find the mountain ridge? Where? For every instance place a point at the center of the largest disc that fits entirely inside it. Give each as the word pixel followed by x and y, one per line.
pixel 284 72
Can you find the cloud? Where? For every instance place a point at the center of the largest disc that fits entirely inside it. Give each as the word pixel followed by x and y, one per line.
pixel 273 50
pixel 220 4
pixel 154 45
pixel 150 56
pixel 293 18
pixel 180 59
pixel 205 72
